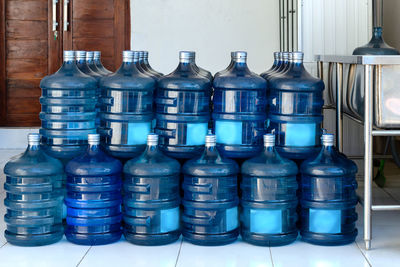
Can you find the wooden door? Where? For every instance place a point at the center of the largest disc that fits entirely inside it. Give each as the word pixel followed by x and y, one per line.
pixel 102 25
pixel 29 50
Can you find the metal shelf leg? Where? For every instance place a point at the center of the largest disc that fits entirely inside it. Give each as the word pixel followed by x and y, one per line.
pixel 367 155
pixel 339 104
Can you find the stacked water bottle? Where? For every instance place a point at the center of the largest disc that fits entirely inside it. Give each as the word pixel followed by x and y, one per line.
pixel 179 177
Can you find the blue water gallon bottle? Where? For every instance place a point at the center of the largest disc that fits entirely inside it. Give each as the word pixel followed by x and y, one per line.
pixel 93 197
pixel 328 197
pixel 269 200
pixel 151 197
pixel 277 63
pixel 295 110
pixel 68 110
pixel 145 65
pixel 99 65
pixel 239 110
pixel 210 203
pixel 127 109
pixel 182 104
pixel 33 197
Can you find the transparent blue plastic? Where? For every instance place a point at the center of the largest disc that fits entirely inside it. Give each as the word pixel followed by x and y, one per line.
pixel 151 197
pixel 127 109
pixel 295 110
pixel 33 198
pixel 269 200
pixel 328 198
pixel 145 65
pixel 376 45
pixel 93 198
pixel 182 104
pixel 68 110
pixel 210 203
pixel 99 65
pixel 239 110
pixel 275 66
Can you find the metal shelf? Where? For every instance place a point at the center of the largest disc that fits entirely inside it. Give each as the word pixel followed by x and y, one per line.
pixel 368 62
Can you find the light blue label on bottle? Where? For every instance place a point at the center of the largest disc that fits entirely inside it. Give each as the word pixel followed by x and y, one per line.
pixel 228 132
pixel 300 134
pixel 196 134
pixel 169 220
pixel 263 221
pixel 137 132
pixel 325 221
pixel 232 219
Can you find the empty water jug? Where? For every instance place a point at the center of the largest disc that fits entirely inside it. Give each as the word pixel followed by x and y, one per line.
pixel 328 197
pixel 295 110
pixel 99 64
pixel 33 197
pixel 68 110
pixel 182 104
pixel 127 109
pixel 239 110
pixel 151 197
pixel 269 199
pixel 93 197
pixel 210 203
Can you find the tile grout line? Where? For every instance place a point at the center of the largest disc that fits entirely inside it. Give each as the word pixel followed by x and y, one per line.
pixel 270 255
pixel 179 253
pixel 87 251
pixel 362 252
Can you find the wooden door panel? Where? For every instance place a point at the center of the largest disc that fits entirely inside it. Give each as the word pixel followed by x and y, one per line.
pixel 94 9
pixel 26 10
pixel 36 49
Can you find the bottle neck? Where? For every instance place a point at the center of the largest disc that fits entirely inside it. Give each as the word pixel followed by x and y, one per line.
pixel 240 65
pixel 93 148
pixel 377 33
pixel 129 66
pixel 268 149
pixel 34 146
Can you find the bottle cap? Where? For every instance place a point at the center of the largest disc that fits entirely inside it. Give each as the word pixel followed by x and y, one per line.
pixel 290 56
pixel 96 55
pixel 233 54
pixel 79 55
pixel 269 139
pixel 135 56
pixel 145 55
pixel 327 139
pixel 285 56
pixel 240 56
pixel 152 139
pixel 33 139
pixel 277 55
pixel 69 55
pixel 141 55
pixel 297 56
pixel 93 139
pixel 211 140
pixel 127 56
pixel 89 55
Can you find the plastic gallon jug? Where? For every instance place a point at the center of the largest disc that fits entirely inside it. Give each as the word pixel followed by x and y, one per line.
pixel 182 104
pixel 68 110
pixel 82 59
pixel 239 110
pixel 328 197
pixel 127 109
pixel 269 200
pixel 93 197
pixel 151 197
pixel 146 65
pixel 99 64
pixel 277 63
pixel 295 110
pixel 210 203
pixel 33 197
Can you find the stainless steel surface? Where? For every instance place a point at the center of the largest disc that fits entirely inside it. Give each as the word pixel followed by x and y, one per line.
pixel 386 133
pixel 367 155
pixel 339 114
pixel 66 23
pixel 364 60
pixel 385 207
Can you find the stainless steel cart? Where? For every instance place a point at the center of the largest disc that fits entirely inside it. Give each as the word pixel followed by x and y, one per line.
pixel 379 105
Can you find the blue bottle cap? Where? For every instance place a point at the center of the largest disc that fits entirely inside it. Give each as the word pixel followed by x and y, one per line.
pixel 89 55
pixel 69 55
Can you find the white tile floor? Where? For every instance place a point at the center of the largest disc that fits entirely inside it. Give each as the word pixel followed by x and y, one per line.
pixel 385 245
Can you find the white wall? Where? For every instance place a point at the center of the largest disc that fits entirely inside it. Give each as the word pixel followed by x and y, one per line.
pixel 212 28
